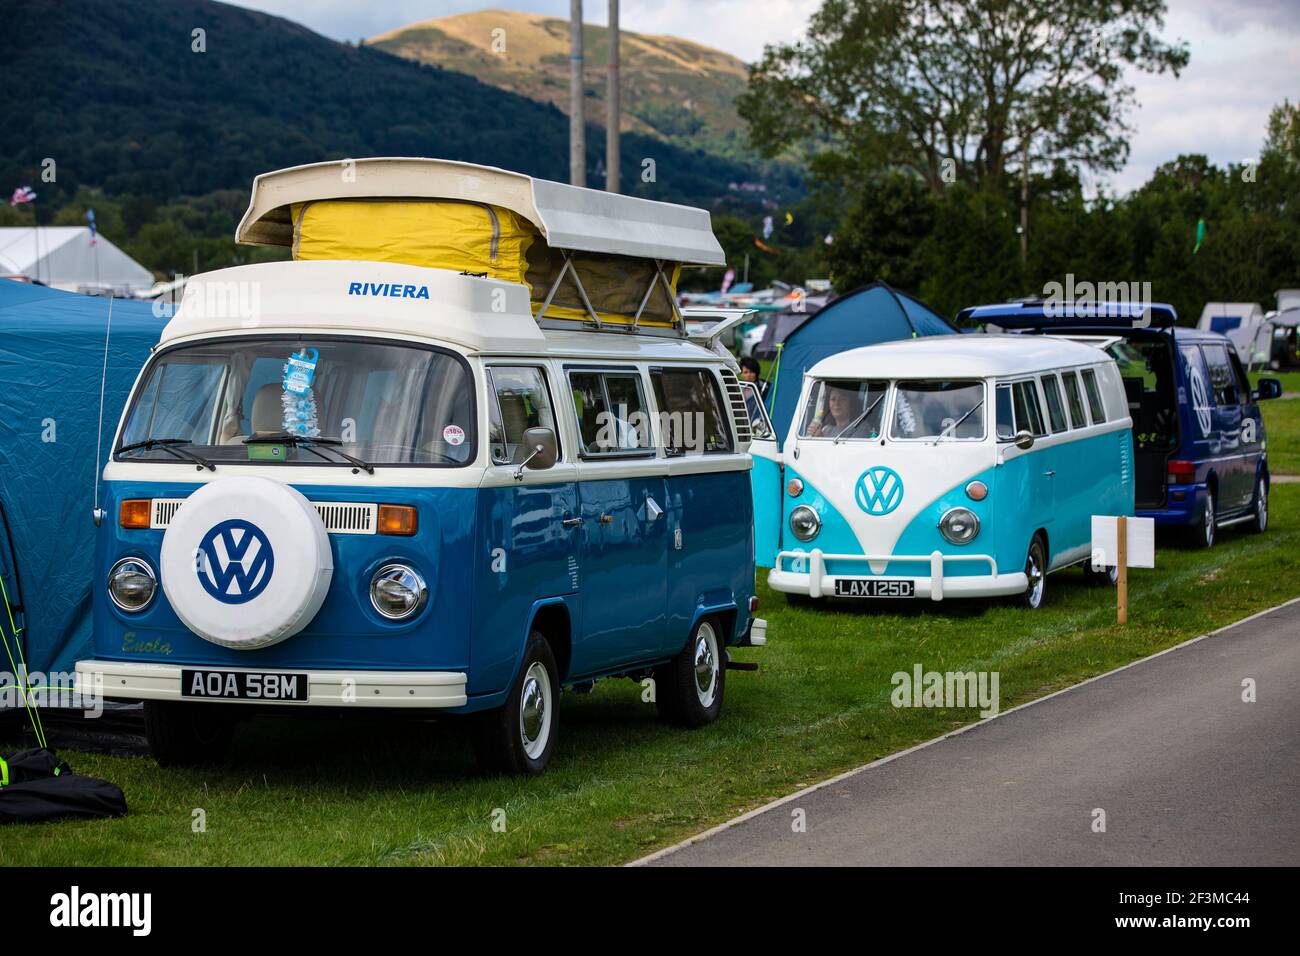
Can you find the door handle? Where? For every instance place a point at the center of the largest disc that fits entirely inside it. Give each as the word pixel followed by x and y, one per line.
pixel 1049 474
pixel 571 522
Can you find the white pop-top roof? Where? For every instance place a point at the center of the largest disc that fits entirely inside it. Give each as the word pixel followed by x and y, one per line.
pixel 336 297
pixel 569 217
pixel 958 356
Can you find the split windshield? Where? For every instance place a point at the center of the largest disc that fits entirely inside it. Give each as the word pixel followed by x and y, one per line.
pixel 386 404
pixel 934 409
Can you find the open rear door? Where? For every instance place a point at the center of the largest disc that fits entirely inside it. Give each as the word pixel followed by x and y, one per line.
pixel 765 479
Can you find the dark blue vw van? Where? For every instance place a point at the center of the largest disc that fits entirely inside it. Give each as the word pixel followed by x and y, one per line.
pixel 1201 456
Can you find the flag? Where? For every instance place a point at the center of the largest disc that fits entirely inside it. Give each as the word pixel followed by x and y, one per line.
pixel 767 227
pixel 789 219
pixel 829 240
pixel 764 246
pixel 1200 235
pixel 727 279
pixel 21 195
pixel 90 218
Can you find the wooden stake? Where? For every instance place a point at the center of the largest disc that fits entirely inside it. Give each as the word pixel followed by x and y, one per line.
pixel 1121 559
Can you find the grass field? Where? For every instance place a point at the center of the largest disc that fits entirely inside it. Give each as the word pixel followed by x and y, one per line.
pixel 1282 429
pixel 369 792
pixel 1290 380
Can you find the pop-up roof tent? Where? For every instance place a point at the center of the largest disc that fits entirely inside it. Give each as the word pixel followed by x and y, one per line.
pixel 875 313
pixel 589 258
pixel 51 357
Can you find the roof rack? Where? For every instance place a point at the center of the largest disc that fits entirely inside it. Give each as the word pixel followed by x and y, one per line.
pixel 582 228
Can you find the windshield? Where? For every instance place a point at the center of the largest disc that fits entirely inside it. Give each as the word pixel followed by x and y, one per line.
pixel 939 409
pixel 844 408
pixel 384 403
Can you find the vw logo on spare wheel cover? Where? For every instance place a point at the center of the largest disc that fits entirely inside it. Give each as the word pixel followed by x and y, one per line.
pixel 879 490
pixel 235 561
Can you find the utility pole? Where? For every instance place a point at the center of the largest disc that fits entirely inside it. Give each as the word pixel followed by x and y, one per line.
pixel 577 132
pixel 613 110
pixel 1024 204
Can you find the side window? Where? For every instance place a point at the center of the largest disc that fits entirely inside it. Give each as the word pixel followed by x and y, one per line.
pixel 1243 383
pixel 759 424
pixel 1095 404
pixel 1074 399
pixel 611 413
pixel 1222 381
pixel 691 418
pixel 1006 415
pixel 1029 415
pixel 1055 405
pixel 521 402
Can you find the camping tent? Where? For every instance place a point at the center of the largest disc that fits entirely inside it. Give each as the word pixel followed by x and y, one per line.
pixel 51 357
pixel 782 323
pixel 875 313
pixel 66 257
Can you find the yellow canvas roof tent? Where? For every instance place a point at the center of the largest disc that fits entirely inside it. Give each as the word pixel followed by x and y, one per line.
pixel 589 258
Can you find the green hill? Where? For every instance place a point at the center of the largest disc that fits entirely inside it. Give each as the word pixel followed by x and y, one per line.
pixel 117 94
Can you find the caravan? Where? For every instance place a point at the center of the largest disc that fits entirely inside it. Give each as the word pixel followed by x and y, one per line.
pixel 458 454
pixel 943 467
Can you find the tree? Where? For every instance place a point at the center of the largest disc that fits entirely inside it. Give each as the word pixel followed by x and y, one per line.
pixel 954 90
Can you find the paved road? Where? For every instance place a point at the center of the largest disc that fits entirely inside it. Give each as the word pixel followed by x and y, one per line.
pixel 1186 772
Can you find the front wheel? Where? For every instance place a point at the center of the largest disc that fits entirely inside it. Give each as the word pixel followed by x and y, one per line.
pixel 1036 573
pixel 519 738
pixel 688 689
pixel 1259 517
pixel 183 734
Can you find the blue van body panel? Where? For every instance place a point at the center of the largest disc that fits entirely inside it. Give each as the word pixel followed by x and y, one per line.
pixel 769 524
pixel 347 632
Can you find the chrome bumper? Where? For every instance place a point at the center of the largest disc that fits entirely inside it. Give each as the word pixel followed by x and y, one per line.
pixel 816 582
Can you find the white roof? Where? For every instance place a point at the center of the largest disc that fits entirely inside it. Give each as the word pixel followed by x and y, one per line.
pixel 958 356
pixel 570 217
pixel 318 297
pixel 62 257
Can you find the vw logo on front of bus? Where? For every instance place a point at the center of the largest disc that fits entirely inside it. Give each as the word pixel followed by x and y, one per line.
pixel 235 561
pixel 879 490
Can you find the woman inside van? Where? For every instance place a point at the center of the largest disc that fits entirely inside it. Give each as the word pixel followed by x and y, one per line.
pixel 838 411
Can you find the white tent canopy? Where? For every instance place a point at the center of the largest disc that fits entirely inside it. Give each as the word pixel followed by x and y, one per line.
pixel 63 258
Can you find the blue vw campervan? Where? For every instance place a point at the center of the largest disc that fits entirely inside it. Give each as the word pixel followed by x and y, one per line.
pixel 458 454
pixel 944 467
pixel 1198 436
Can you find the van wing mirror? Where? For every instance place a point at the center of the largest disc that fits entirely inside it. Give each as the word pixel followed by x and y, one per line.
pixel 543 451
pixel 1024 439
pixel 1268 388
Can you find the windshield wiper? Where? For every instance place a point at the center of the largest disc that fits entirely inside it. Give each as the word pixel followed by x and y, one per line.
pixel 173 446
pixel 854 423
pixel 953 427
pixel 302 441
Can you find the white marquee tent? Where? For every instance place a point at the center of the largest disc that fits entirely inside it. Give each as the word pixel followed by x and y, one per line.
pixel 63 258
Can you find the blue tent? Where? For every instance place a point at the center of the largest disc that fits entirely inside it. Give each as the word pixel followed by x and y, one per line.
pixel 51 358
pixel 875 313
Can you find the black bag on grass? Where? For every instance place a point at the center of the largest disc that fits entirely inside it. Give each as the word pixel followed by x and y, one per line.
pixel 35 785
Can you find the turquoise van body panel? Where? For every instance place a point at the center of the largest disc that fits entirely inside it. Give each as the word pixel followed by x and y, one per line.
pixel 769 522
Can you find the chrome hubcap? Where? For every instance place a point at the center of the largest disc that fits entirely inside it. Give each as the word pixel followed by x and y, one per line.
pixel 706 664
pixel 1262 506
pixel 534 710
pixel 1209 521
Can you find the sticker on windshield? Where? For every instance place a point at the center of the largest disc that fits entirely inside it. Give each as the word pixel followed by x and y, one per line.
pixel 453 434
pixel 300 370
pixel 297 398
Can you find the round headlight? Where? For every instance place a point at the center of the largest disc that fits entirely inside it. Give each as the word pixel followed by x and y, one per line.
pixel 804 523
pixel 959 525
pixel 794 487
pixel 397 591
pixel 977 491
pixel 132 584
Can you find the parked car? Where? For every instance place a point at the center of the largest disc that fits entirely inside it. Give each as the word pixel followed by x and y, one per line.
pixel 437 489
pixel 944 467
pixel 1199 440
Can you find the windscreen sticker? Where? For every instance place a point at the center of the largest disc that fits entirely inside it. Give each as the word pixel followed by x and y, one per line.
pixel 298 400
pixel 453 435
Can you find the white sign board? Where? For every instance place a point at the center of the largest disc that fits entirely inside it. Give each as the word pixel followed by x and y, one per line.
pixel 1105 542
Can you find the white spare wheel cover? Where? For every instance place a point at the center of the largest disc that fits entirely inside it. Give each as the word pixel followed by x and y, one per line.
pixel 246 562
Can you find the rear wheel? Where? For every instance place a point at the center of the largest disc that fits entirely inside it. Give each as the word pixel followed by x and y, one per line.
pixel 1036 572
pixel 1259 519
pixel 1202 535
pixel 689 688
pixel 1105 578
pixel 519 738
pixel 182 734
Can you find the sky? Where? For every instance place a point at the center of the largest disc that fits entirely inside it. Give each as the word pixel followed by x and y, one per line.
pixel 1245 58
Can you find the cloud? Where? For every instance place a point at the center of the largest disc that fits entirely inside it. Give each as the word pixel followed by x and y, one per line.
pixel 1237 15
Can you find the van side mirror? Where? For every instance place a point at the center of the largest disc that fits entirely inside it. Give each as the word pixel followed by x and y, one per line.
pixel 1268 388
pixel 543 451
pixel 1024 439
